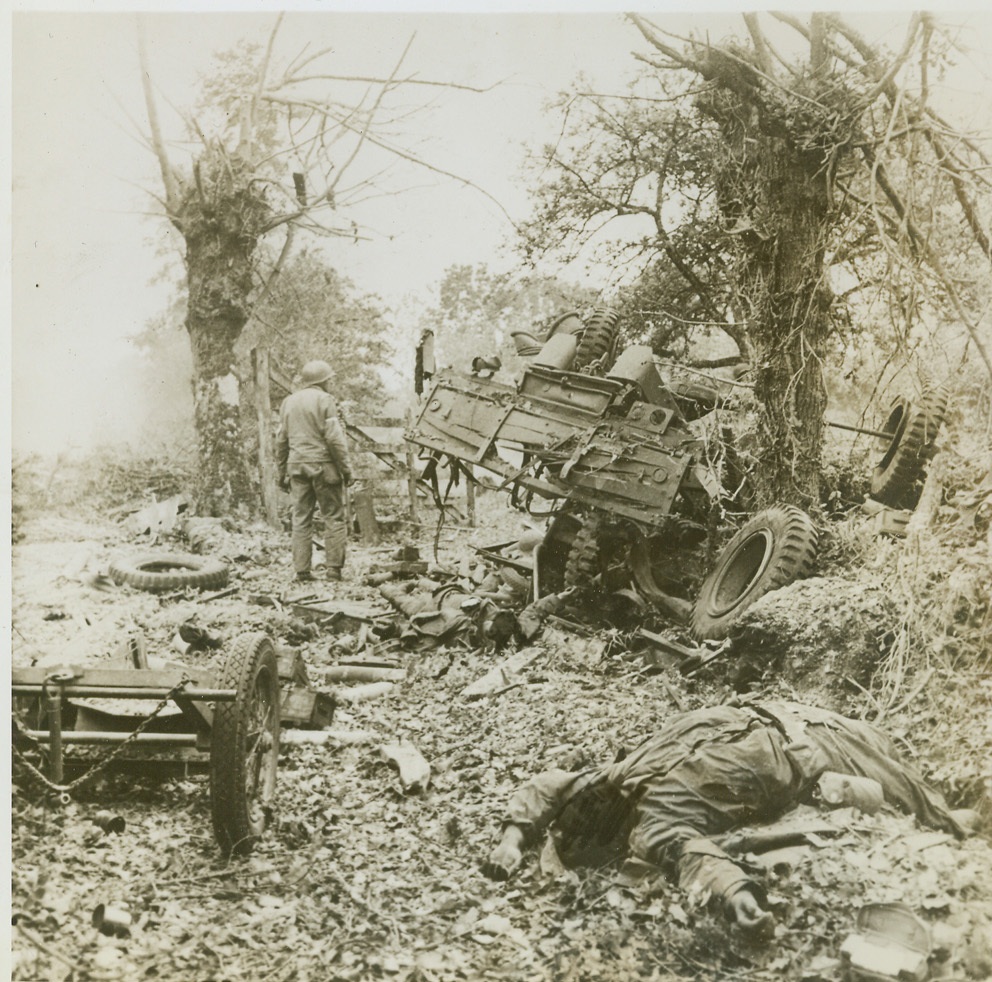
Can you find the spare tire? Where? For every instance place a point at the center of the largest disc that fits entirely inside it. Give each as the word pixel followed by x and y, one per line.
pixel 161 571
pixel 897 481
pixel 773 549
pixel 597 339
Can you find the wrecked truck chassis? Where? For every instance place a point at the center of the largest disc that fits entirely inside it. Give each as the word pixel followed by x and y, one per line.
pixel 581 437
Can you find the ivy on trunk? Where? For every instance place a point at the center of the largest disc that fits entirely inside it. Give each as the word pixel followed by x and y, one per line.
pixel 221 217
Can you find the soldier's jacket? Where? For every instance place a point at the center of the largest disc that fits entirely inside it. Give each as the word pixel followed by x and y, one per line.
pixel 706 772
pixel 311 437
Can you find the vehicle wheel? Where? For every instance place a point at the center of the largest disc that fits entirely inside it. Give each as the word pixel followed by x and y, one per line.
pixel 662 565
pixel 552 554
pixel 245 745
pixel 162 571
pixel 773 549
pixel 897 481
pixel 583 563
pixel 597 338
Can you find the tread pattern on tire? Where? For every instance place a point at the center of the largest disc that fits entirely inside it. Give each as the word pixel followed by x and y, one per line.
pixel 582 564
pixel 160 571
pixel 233 826
pixel 597 337
pixel 789 557
pixel 898 479
pixel 554 551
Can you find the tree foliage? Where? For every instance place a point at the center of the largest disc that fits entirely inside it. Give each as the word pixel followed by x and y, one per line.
pixel 314 312
pixel 769 184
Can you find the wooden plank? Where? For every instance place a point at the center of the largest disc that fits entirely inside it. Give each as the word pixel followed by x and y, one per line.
pixel 368 524
pixel 411 475
pixel 470 493
pixel 266 439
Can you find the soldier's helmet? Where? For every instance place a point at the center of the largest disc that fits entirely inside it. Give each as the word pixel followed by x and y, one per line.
pixel 315 372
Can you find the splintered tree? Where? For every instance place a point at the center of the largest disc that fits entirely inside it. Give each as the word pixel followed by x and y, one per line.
pixel 773 167
pixel 277 148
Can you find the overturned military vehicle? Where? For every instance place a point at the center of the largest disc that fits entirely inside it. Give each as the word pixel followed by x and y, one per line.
pixel 635 493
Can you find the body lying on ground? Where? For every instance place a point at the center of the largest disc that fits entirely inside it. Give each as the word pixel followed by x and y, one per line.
pixel 702 774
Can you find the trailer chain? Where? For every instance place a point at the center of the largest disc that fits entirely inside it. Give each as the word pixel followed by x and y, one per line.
pixel 102 764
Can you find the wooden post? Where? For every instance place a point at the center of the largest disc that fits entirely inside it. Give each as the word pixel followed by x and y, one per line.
pixel 411 474
pixel 266 441
pixel 364 504
pixel 470 493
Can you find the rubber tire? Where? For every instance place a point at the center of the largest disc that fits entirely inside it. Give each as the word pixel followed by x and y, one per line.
pixel 679 555
pixel 898 479
pixel 775 548
pixel 552 554
pixel 161 571
pixel 597 338
pixel 583 563
pixel 244 750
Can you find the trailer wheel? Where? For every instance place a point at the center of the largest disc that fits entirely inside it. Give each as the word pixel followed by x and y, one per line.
pixel 245 745
pixel 773 549
pixel 897 481
pixel 598 338
pixel 161 571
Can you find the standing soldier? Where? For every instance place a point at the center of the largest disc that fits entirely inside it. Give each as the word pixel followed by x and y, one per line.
pixel 312 457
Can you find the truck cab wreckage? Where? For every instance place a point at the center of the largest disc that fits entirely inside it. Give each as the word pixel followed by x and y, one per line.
pixel 637 493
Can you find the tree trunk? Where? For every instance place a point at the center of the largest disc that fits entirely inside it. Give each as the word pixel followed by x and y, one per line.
pixel 789 324
pixel 220 222
pixel 266 440
pixel 778 211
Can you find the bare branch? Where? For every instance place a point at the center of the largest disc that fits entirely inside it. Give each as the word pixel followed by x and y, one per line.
pixel 395 151
pixel 385 86
pixel 760 44
pixel 172 195
pixel 392 80
pixel 249 127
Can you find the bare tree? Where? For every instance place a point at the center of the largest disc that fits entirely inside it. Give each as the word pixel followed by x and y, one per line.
pixel 290 157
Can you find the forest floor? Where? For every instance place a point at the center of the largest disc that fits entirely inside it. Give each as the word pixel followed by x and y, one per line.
pixel 358 880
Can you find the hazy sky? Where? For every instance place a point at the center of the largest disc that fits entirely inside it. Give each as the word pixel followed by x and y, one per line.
pixel 84 254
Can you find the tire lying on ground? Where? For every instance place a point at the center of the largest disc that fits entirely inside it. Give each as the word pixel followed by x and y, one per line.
pixel 160 571
pixel 244 750
pixel 897 481
pixel 776 547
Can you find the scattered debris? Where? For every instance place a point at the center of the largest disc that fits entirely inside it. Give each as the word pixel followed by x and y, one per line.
pixel 415 772
pixel 505 674
pixel 159 517
pixel 890 942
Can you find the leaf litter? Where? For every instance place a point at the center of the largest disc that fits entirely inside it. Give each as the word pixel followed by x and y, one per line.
pixel 360 878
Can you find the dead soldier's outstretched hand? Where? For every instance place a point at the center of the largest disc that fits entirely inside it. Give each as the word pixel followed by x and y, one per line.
pixel 752 919
pixel 506 857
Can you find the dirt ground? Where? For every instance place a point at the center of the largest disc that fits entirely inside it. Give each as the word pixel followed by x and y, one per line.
pixel 358 880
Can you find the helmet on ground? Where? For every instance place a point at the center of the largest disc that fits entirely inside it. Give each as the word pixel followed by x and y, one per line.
pixel 315 372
